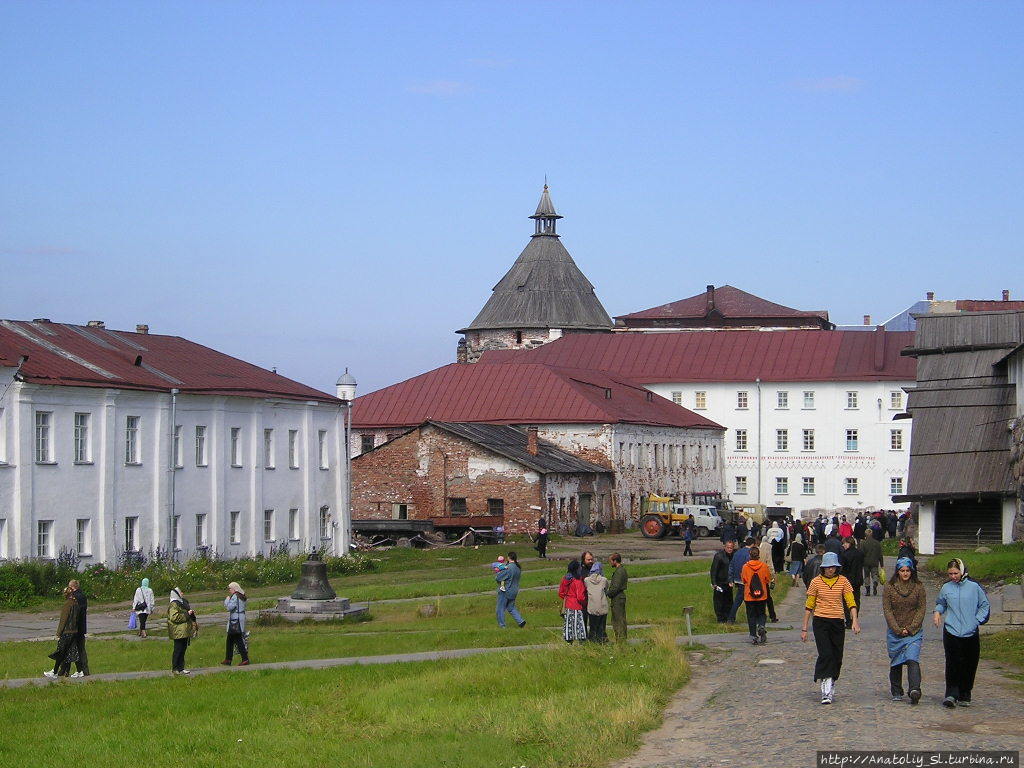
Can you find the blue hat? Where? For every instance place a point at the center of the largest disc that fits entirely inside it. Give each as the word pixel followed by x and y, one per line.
pixel 830 560
pixel 905 562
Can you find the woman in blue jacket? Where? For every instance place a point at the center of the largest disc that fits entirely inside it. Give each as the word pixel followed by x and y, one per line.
pixel 235 605
pixel 962 607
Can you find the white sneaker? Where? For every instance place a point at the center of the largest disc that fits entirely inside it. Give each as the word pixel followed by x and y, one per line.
pixel 78 674
pixel 50 673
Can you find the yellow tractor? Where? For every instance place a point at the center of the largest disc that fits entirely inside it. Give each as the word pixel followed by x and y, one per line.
pixel 658 517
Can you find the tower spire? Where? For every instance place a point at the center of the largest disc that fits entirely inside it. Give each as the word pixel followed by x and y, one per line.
pixel 545 216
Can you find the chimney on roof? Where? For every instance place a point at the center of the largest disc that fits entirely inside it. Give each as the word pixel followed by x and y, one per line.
pixel 96 324
pixel 1006 295
pixel 142 328
pixel 867 319
pixel 531 441
pixel 710 298
pixel 42 320
pixel 930 296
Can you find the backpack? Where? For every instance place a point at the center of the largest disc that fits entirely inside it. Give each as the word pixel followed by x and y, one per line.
pixel 756 586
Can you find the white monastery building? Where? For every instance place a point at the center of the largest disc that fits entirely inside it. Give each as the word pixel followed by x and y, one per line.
pixel 113 441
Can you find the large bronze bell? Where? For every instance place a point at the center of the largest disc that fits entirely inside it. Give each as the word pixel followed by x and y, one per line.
pixel 313 584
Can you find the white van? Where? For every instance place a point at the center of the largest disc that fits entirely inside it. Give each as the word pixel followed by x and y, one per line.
pixel 705 519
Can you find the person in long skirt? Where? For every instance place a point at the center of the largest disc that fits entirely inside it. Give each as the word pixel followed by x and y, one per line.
pixel 903 603
pixel 961 607
pixel 67 628
pixel 827 595
pixel 573 593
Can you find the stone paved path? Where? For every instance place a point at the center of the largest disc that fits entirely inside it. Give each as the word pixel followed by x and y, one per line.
pixel 709 723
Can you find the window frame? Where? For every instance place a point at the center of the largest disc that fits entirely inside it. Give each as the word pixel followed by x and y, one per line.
pixel 235 526
pixel 808 483
pixel 202 454
pixel 82 444
pixel 851 483
pixel 809 400
pixel 44 539
pixel 741 440
pixel 293 449
pixel 323 460
pixel 268 448
pixel 235 437
pixel 896 400
pixel 852 439
pixel 202 534
pixel 895 439
pixel 896 486
pixel 782 400
pixel 131 533
pixel 83 536
pixel 700 400
pixel 743 400
pixel 853 400
pixel 782 440
pixel 740 483
pixel 782 486
pixel 132 452
pixel 44 438
pixel 268 526
pixel 808 440
pixel 293 524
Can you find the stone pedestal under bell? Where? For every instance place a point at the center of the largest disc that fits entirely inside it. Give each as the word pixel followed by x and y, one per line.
pixel 314 598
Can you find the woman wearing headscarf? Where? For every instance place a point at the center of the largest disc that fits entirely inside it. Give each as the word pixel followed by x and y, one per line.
pixel 827 595
pixel 903 603
pixel 797 553
pixel 67 629
pixel 181 627
pixel 961 607
pixel 143 604
pixel 573 593
pixel 235 605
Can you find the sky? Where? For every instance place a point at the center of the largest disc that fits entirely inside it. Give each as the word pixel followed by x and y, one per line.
pixel 319 185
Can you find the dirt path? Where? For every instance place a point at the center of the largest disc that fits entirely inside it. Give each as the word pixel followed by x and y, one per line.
pixel 759 705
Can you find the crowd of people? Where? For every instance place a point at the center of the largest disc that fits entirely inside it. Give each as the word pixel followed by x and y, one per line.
pixel 836 559
pixel 182 627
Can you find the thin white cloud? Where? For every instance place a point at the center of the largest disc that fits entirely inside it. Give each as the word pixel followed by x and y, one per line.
pixel 444 88
pixel 836 84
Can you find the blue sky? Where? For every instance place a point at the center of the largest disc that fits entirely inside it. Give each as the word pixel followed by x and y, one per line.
pixel 319 185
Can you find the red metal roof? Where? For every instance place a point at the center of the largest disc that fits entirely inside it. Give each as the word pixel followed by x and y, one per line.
pixel 727 301
pixel 710 356
pixel 982 305
pixel 87 356
pixel 519 394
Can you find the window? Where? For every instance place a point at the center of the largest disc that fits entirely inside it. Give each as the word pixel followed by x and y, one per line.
pixel 268 448
pixel 365 443
pixel 293 448
pixel 896 439
pixel 496 507
pixel 809 486
pixel 235 530
pixel 131 534
pixel 176 532
pixel 896 400
pixel 44 446
pixel 268 525
pixel 325 522
pixel 700 400
pixel 321 448
pixel 200 446
pixel 851 439
pixel 44 538
pixel 677 398
pixel 293 524
pixel 895 486
pixel 808 400
pixel 83 455
pixel 201 530
pixel 851 401
pixel 83 536
pixel 741 439
pixel 781 439
pixel 131 440
pixel 851 485
pixel 236 447
pixel 782 400
pixel 781 486
pixel 457 507
pixel 741 400
pixel 399 511
pixel 808 439
pixel 741 484
pixel 179 453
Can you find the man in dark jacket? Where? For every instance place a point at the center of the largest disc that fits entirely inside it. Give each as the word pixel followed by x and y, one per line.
pixel 721 595
pixel 617 596
pixel 739 559
pixel 872 549
pixel 728 532
pixel 853 569
pixel 83 608
pixel 833 543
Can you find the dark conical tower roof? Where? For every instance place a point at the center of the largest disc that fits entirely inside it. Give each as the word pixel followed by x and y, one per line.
pixel 544 288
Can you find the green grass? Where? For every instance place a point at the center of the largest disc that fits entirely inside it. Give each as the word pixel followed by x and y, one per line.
pixel 1006 646
pixel 1004 562
pixel 564 707
pixel 461 622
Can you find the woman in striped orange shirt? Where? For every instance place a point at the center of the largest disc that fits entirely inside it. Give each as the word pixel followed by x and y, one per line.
pixel 827 593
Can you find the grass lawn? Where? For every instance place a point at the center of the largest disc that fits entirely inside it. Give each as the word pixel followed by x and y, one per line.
pixel 1004 562
pixel 1007 648
pixel 559 707
pixel 461 622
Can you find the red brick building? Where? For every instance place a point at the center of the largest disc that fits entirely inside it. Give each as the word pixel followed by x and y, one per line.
pixel 479 475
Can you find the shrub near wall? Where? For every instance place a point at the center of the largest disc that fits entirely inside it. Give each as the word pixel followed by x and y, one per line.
pixel 24 583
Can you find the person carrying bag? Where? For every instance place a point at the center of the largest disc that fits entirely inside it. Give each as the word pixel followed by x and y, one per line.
pixel 143 604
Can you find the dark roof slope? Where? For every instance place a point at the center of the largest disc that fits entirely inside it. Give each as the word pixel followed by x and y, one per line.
pixel 543 289
pixel 519 394
pixel 726 301
pixel 511 443
pixel 88 356
pixel 708 356
pixel 962 405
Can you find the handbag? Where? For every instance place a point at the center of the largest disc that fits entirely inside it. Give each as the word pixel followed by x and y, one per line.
pixel 133 621
pixel 881 574
pixel 234 627
pixel 142 606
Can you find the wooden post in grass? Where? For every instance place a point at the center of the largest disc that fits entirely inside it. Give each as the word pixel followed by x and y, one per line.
pixel 688 612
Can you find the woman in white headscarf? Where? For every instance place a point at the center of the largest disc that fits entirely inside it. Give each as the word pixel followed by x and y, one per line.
pixel 960 609
pixel 181 627
pixel 235 605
